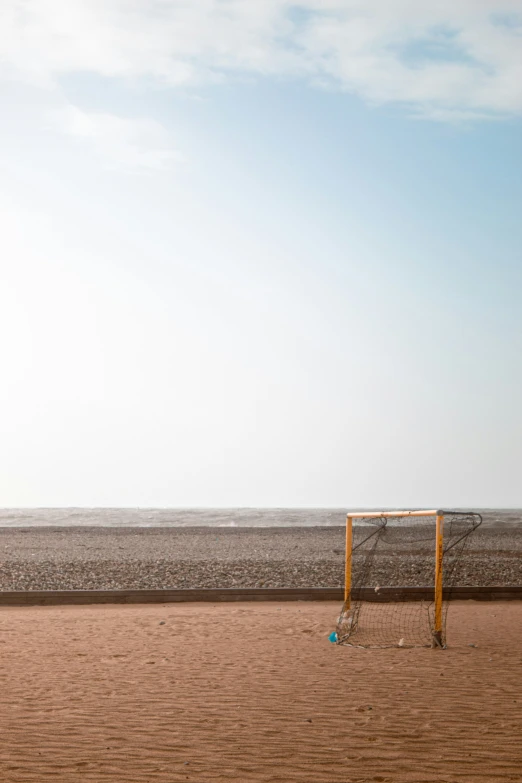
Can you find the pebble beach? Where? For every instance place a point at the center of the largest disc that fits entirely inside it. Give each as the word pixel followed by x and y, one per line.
pixel 105 558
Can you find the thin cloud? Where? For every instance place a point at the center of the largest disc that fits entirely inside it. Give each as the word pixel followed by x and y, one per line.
pixel 461 57
pixel 121 142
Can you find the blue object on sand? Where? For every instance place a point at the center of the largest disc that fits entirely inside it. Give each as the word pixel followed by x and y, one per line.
pixel 333 637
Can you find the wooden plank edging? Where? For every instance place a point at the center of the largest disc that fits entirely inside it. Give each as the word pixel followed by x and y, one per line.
pixel 384 594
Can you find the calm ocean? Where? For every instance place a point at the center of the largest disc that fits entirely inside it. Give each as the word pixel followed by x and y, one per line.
pixel 195 517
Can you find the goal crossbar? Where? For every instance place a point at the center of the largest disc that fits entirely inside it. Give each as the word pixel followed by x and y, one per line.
pixel 380 514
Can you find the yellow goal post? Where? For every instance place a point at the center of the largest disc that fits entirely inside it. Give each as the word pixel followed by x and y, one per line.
pixel 377 521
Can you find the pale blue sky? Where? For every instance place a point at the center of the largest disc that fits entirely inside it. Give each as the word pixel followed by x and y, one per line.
pixel 261 255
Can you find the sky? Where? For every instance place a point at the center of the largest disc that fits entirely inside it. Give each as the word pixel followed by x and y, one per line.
pixel 261 253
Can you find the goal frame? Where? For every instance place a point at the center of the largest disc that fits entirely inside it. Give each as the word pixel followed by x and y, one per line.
pixel 439 556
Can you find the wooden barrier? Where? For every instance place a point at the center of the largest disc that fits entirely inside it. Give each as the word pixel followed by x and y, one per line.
pixel 384 594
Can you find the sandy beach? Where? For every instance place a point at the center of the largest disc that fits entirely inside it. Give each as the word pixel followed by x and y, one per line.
pixel 254 693
pixel 107 558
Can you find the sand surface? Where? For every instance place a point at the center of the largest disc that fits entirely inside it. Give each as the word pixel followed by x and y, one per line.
pixel 254 692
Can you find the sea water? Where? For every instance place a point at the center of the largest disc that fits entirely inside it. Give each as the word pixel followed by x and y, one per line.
pixel 201 517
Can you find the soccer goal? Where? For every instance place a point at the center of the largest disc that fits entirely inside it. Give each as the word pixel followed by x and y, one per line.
pixel 422 549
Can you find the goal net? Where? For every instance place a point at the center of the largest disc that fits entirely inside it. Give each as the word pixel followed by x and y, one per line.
pixel 413 549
